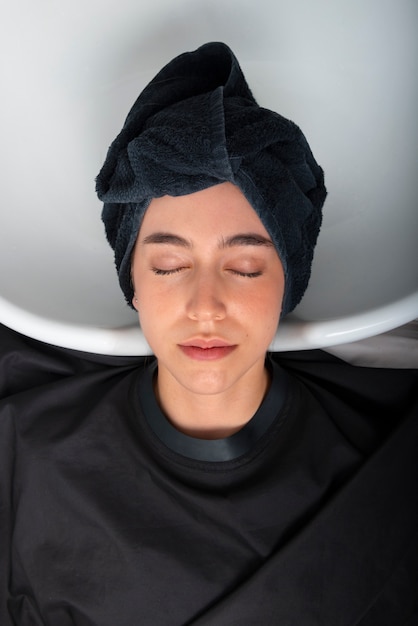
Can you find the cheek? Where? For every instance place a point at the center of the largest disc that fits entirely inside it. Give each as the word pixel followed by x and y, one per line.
pixel 155 309
pixel 272 308
pixel 269 297
pixel 261 309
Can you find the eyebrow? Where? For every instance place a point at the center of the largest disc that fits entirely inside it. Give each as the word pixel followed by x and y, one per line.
pixel 241 239
pixel 246 239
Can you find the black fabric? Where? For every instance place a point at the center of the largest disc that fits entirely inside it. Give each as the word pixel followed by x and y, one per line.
pixel 197 124
pixel 102 523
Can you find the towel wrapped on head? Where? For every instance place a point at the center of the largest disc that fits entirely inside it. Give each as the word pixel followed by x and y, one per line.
pixel 195 125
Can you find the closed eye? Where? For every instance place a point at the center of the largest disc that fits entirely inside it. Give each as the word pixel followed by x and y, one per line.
pixel 161 272
pixel 246 274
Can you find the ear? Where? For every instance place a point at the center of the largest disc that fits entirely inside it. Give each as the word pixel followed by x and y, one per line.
pixel 135 302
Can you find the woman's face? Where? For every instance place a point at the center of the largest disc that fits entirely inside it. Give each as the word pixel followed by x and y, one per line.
pixel 208 288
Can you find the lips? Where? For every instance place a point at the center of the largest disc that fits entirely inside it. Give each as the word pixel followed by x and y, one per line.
pixel 206 350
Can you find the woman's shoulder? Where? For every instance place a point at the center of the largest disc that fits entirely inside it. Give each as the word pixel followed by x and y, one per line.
pixel 366 403
pixel 26 363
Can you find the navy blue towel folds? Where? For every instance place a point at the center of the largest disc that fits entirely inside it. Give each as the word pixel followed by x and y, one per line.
pixel 195 125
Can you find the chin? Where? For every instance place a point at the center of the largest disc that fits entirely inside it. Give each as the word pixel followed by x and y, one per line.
pixel 206 383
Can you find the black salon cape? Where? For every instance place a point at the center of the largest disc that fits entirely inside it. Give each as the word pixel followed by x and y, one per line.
pixel 102 524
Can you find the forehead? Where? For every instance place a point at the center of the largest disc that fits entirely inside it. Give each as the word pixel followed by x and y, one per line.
pixel 220 210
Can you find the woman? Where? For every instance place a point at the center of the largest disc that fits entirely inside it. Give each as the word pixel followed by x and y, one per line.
pixel 215 483
pixel 210 286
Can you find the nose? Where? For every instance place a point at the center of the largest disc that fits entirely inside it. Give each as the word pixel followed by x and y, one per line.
pixel 206 301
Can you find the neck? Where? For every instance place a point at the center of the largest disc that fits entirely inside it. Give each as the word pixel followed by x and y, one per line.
pixel 211 416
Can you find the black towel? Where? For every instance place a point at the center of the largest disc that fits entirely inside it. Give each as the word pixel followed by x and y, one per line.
pixel 195 125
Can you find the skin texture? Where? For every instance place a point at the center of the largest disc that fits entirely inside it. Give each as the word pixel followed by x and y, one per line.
pixel 208 288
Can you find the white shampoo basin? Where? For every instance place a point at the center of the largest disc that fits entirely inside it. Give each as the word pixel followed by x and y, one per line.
pixel 344 71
